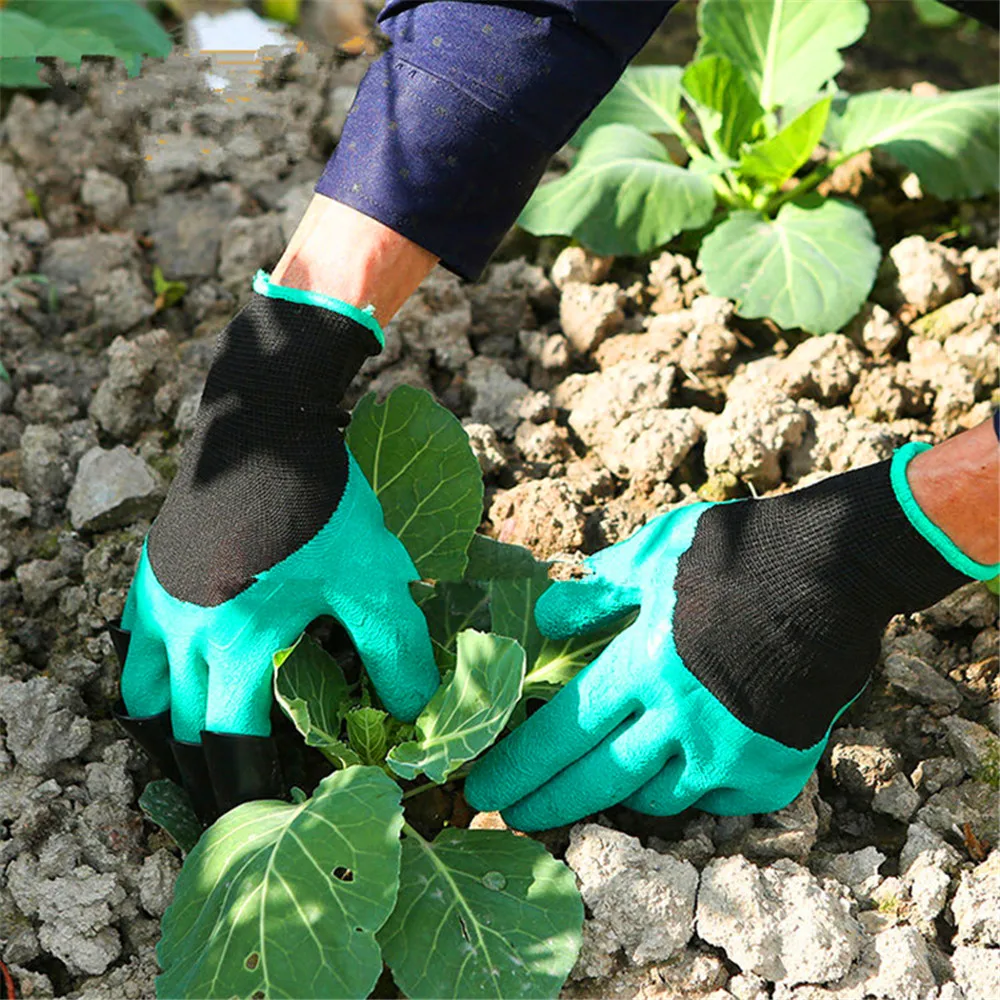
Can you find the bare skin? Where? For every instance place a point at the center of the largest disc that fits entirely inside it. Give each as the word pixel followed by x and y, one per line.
pixel 340 252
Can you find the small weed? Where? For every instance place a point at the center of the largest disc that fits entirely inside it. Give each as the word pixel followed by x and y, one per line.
pixel 168 293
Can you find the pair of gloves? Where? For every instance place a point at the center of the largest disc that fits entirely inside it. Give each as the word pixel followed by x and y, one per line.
pixel 758 621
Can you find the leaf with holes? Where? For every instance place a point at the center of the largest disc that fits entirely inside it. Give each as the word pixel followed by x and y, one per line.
pixel 482 913
pixel 646 97
pixel 468 711
pixel 418 460
pixel 168 806
pixel 810 267
pixel 951 141
pixel 311 690
pixel 623 195
pixel 788 49
pixel 285 899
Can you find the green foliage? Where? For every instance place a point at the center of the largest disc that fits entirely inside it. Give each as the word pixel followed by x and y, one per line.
pixel 762 96
pixel 168 805
pixel 481 913
pixel 71 30
pixel 935 14
pixel 417 458
pixel 316 879
pixel 168 293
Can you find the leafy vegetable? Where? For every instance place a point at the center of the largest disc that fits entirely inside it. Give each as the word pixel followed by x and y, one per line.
pixel 416 456
pixel 762 92
pixel 482 913
pixel 368 733
pixel 285 899
pixel 168 805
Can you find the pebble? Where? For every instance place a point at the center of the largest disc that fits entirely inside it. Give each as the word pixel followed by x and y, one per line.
pixel 112 488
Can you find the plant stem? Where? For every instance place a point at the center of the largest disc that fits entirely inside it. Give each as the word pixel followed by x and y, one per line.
pixel 805 185
pixel 460 773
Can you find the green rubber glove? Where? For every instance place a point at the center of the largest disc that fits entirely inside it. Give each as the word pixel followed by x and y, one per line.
pixel 759 622
pixel 269 524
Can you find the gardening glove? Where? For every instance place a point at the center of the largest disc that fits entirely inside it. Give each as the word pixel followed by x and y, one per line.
pixel 759 622
pixel 268 524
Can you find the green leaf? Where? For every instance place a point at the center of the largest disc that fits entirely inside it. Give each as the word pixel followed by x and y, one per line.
pixel 482 913
pixel 467 712
pixel 20 35
pixel 623 195
pixel 417 458
pixel 168 293
pixel 493 560
pixel 774 160
pixel 20 73
pixel 949 141
pixel 512 608
pixel 811 267
pixel 646 97
pixel 453 608
pixel 788 49
pixel 285 899
pixel 311 690
pixel 4 374
pixel 368 733
pixel 994 585
pixel 934 14
pixel 168 806
pixel 727 108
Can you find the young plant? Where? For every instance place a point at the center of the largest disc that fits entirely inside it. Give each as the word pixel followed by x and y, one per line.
pixel 308 899
pixel 772 127
pixel 70 30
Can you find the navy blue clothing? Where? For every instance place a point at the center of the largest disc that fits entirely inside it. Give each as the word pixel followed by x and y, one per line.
pixel 453 127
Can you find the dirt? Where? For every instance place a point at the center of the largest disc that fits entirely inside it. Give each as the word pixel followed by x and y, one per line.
pixel 602 393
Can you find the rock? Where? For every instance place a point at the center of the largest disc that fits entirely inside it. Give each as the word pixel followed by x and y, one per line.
pixel 650 443
pixel 105 195
pixel 174 161
pixel 668 274
pixel 917 678
pixel 437 319
pixel 45 721
pixel 974 745
pixel 40 580
pixel 597 953
pixel 579 265
pixel 46 404
pixel 787 833
pixel 711 310
pixel 550 351
pixel 920 274
pixel 903 969
pixel 974 351
pixel 984 269
pixel 977 904
pixel 925 847
pixel 545 515
pixel 486 446
pixel 129 399
pixel 247 245
pixel 858 870
pixel 896 798
pixel 98 280
pixel 836 441
pixel 778 922
pixel 589 314
pixel 504 302
pixel 708 348
pixel 498 398
pixel 546 443
pixel 13 204
pixel 747 986
pixel 879 396
pixel 156 882
pixel 15 507
pixel 860 761
pixel 112 488
pixel 17 934
pixel 643 898
pixel 186 230
pixel 935 773
pixel 977 972
pixel 927 882
pixel 823 368
pixel 875 330
pixel 972 605
pixel 972 802
pixel 45 467
pixel 750 437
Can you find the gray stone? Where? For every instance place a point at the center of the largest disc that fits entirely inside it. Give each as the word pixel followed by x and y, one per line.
pixel 45 722
pixel 935 773
pixel 547 443
pixel 903 970
pixel 589 314
pixel 18 940
pixel 105 195
pixel 822 368
pixel 858 870
pixel 248 245
pixel 580 265
pixel 40 580
pixel 45 468
pixel 977 972
pixel 787 833
pixel 747 986
pixel 974 745
pixel 750 437
pixel 112 488
pixel 984 268
pixel 13 203
pixel 778 922
pixel 834 440
pixel 917 678
pixel 927 883
pixel 921 274
pixel 860 761
pixel 15 507
pixel 597 953
pixel 977 904
pixel 156 881
pixel 486 447
pixel 972 605
pixel 45 404
pixel 924 846
pixel 650 443
pixel 896 798
pixel 875 329
pixel 129 398
pixel 497 396
pixel 972 802
pixel 644 898
pixel 172 161
pixel 110 781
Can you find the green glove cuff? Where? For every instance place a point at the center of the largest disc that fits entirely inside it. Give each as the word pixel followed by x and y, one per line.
pixel 930 532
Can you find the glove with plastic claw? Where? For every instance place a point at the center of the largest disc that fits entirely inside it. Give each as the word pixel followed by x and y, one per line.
pixel 268 524
pixel 759 623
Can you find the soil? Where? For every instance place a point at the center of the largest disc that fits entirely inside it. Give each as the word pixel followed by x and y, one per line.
pixel 602 393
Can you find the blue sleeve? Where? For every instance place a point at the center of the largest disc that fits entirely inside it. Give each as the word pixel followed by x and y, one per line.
pixel 453 127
